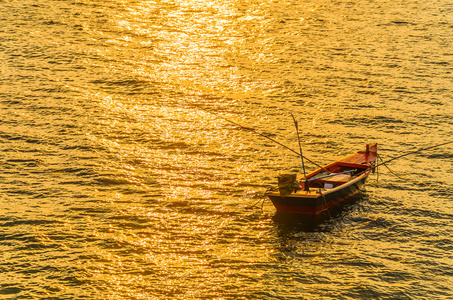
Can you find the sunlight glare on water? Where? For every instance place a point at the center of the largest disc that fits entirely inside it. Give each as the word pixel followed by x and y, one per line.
pixel 122 178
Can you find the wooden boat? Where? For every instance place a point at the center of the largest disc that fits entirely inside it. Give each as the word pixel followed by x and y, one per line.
pixel 326 187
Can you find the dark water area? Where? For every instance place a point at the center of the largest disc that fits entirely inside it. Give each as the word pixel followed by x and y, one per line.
pixel 119 179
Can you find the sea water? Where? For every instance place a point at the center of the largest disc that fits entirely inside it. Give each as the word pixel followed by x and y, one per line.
pixel 121 179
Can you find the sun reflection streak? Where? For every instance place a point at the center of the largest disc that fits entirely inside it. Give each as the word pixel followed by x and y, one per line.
pixel 119 182
pixel 161 137
pixel 197 245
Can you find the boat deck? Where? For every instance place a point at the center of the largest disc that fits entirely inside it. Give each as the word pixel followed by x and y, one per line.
pixel 361 158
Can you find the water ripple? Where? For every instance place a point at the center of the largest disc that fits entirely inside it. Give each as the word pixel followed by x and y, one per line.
pixel 119 180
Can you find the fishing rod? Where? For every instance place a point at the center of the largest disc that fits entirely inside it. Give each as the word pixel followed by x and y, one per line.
pixel 416 151
pixel 306 188
pixel 271 139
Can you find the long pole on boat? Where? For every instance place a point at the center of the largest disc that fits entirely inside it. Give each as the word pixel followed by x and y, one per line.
pixel 301 156
pixel 416 151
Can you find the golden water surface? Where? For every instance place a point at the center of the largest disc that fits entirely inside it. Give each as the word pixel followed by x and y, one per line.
pixel 121 179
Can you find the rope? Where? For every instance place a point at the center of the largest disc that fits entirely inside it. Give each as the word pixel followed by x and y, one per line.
pixel 388 168
pixel 406 154
pixel 254 205
pixel 416 151
pixel 325 203
pixel 262 198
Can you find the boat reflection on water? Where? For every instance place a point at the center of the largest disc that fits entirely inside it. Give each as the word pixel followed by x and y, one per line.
pixel 288 223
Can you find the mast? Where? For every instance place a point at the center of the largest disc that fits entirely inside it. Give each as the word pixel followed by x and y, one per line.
pixel 306 188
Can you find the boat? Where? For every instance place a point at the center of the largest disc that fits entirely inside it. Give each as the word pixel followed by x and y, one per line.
pixel 325 188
